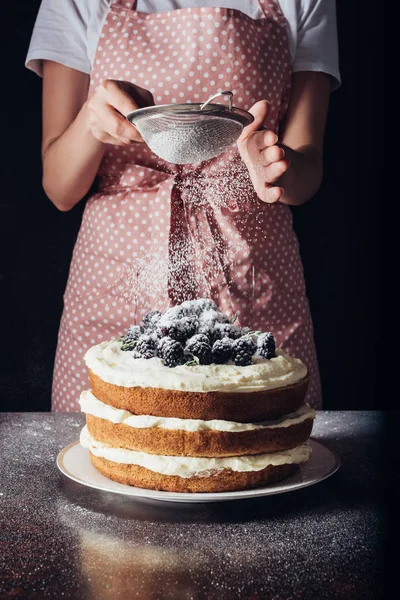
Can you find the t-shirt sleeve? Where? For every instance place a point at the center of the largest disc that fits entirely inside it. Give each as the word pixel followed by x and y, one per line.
pixel 60 34
pixel 317 44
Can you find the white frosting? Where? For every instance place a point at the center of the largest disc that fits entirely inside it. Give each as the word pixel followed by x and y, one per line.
pixel 111 364
pixel 92 406
pixel 187 466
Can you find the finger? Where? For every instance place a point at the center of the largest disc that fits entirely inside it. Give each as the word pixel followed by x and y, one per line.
pixel 140 95
pixel 259 111
pixel 117 97
pixel 114 124
pixel 272 194
pixel 259 141
pixel 272 154
pixel 264 139
pixel 275 170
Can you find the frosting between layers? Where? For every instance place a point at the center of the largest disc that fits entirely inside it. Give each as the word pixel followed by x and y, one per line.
pixel 92 406
pixel 112 365
pixel 187 466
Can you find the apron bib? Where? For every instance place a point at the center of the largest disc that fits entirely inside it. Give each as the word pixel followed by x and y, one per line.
pixel 156 234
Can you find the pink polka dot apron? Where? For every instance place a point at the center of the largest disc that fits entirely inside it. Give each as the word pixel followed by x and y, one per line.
pixel 156 234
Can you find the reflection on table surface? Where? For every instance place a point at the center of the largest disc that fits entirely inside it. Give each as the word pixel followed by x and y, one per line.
pixel 66 540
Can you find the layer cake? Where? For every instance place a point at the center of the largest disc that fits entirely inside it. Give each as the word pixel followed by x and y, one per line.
pixel 189 402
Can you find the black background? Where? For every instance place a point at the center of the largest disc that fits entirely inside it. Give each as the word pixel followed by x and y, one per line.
pixel 338 229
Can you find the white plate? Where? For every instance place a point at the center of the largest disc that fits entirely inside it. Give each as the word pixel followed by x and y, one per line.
pixel 74 462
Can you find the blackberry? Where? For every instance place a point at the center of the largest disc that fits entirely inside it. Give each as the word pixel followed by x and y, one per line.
pixel 222 350
pixel 146 346
pixel 175 313
pixel 199 345
pixel 130 339
pixel 170 330
pixel 229 330
pixel 172 353
pixel 189 326
pixel 198 306
pixel 199 337
pixel 243 350
pixel 160 345
pixel 181 329
pixel 207 331
pixel 134 332
pixel 211 317
pixel 266 345
pixel 149 321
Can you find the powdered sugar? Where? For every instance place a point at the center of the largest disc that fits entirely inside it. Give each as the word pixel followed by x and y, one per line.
pixel 67 540
pixel 200 256
pixel 184 139
pixel 199 306
pixel 210 317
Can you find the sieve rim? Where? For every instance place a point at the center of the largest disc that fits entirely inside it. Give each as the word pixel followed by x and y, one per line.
pixel 235 114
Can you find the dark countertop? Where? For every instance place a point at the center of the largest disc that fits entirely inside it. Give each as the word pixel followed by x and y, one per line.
pixel 63 540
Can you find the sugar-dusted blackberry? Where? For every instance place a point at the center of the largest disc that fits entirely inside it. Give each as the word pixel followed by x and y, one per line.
pixel 175 313
pixel 160 345
pixel 243 349
pixel 181 329
pixel 149 321
pixel 222 350
pixel 199 337
pixel 229 330
pixel 210 317
pixel 207 331
pixel 187 327
pixel 199 345
pixel 172 353
pixel 129 340
pixel 199 306
pixel 146 346
pixel 266 345
pixel 134 332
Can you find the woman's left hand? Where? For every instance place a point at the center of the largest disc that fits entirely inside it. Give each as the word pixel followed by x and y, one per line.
pixel 265 159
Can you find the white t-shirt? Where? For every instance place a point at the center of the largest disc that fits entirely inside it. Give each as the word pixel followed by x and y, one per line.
pixel 67 31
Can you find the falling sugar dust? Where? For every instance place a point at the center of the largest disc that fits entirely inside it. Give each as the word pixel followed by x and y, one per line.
pixel 201 141
pixel 203 246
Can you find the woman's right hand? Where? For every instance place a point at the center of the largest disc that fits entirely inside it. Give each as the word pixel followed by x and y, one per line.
pixel 77 129
pixel 108 107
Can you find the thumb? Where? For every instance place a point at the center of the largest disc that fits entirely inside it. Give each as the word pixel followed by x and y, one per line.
pixel 259 110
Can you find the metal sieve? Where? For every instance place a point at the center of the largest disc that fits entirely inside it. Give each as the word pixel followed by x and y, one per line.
pixel 190 133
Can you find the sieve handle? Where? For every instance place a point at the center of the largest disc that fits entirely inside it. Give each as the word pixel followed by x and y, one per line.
pixel 216 96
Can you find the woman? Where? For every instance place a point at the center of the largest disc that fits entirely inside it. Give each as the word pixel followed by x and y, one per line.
pixel 154 233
